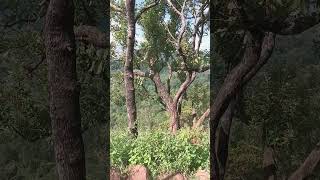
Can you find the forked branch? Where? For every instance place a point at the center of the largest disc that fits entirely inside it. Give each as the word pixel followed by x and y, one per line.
pixel 146 8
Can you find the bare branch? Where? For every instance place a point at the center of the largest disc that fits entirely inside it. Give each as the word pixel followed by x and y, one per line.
pixel 199 23
pixel 146 8
pixel 169 32
pixel 174 8
pixel 183 22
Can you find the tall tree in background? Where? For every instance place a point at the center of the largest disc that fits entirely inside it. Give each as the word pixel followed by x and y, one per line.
pixel 161 42
pixel 128 68
pixel 64 90
pixel 132 18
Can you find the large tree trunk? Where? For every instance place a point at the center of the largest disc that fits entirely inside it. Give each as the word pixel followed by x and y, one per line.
pixel 231 85
pixel 64 91
pixel 128 70
pixel 174 118
pixel 172 103
pixel 223 136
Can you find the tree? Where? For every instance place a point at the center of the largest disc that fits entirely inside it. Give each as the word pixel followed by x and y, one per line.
pixel 64 90
pixel 259 21
pixel 161 41
pixel 132 18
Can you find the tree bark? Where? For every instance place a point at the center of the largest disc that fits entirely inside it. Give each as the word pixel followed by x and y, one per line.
pixel 64 91
pixel 308 166
pixel 172 103
pixel 231 85
pixel 198 122
pixel 174 118
pixel 223 137
pixel 267 48
pixel 128 69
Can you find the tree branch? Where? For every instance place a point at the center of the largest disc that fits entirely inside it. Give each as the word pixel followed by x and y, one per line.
pixel 204 116
pixel 143 74
pixel 145 9
pixel 30 69
pixel 184 86
pixel 308 166
pixel 162 90
pixel 199 23
pixel 267 48
pixel 182 28
pixel 117 9
pixel 230 86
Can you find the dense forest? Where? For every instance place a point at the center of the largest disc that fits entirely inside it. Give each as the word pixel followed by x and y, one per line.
pixel 160 89
pixel 27 140
pixel 265 114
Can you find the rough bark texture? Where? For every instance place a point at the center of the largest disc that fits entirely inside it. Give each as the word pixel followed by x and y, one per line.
pixel 172 102
pixel 223 136
pixel 174 118
pixel 128 69
pixel 308 166
pixel 64 91
pixel 162 89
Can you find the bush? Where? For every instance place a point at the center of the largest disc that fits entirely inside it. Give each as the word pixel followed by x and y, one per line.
pixel 162 152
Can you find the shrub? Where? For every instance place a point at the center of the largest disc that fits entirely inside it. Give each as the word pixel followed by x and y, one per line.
pixel 162 152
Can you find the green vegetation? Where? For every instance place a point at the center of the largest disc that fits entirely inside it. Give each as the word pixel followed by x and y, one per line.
pixel 161 151
pixel 26 145
pixel 171 88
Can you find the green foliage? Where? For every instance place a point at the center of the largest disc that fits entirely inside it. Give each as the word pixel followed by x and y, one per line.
pixel 282 111
pixel 25 126
pixel 162 152
pixel 245 162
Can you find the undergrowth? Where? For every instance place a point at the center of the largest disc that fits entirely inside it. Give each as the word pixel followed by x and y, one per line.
pixel 161 152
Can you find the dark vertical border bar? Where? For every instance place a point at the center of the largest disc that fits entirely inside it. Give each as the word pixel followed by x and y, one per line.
pixel 213 174
pixel 107 78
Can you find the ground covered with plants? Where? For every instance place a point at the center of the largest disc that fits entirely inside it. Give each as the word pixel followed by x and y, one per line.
pixel 162 152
